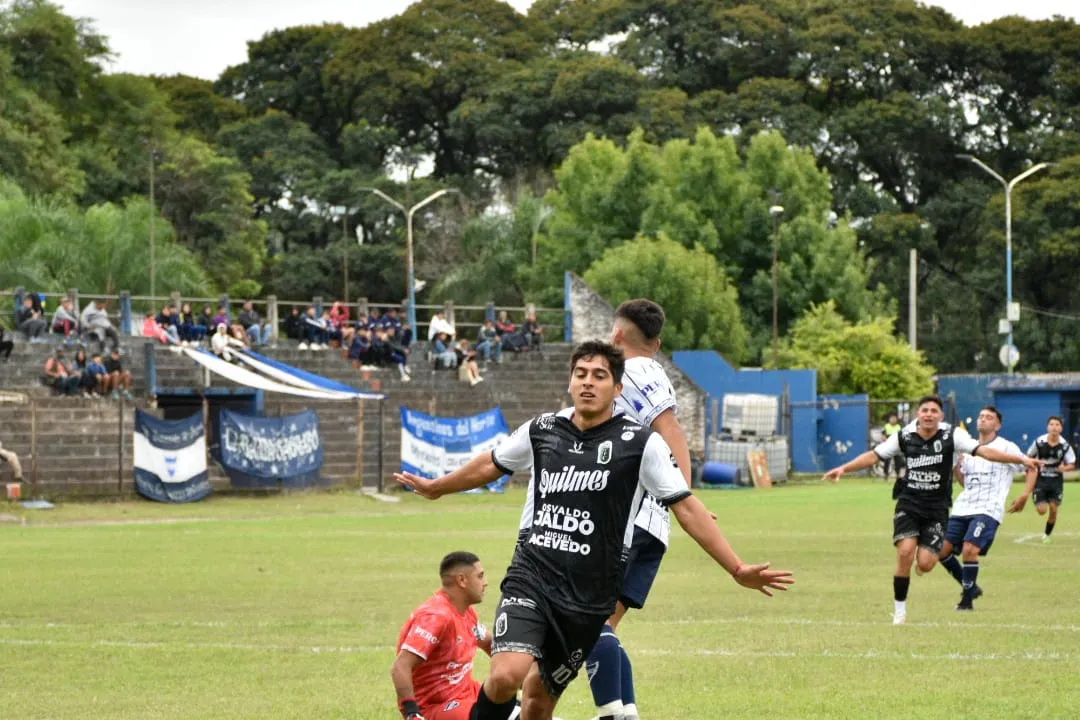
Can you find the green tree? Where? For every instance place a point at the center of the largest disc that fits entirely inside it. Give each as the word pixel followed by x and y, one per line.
pixel 206 198
pixel 199 110
pixel 701 303
pixel 853 358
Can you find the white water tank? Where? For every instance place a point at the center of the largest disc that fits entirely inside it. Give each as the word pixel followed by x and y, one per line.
pixel 748 414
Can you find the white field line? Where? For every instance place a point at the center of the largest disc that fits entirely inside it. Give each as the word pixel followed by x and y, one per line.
pixel 1028 537
pixel 690 622
pixel 1021 656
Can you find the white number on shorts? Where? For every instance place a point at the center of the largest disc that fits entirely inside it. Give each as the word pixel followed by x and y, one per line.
pixel 979 529
pixel 562 675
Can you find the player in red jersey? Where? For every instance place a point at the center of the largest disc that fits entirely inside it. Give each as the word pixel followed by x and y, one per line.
pixel 433 669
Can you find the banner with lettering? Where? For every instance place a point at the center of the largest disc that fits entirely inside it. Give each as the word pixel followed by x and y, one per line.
pixel 170 458
pixel 271 452
pixel 432 446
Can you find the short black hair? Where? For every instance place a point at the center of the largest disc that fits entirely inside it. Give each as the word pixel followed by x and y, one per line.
pixel 591 348
pixel 936 399
pixel 456 559
pixel 994 410
pixel 1055 417
pixel 647 316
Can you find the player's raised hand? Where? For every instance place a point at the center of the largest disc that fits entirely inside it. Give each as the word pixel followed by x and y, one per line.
pixel 761 578
pixel 835 474
pixel 423 486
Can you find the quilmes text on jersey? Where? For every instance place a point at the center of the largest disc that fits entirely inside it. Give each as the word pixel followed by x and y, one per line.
pixel 570 479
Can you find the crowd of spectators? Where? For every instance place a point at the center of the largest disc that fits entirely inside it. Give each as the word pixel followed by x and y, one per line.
pixel 89 375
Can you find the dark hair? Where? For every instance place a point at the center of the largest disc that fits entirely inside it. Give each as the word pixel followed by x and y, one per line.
pixel 647 316
pixel 936 399
pixel 455 560
pixel 1055 417
pixel 591 348
pixel 994 410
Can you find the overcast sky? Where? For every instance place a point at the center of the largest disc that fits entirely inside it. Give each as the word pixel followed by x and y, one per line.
pixel 203 37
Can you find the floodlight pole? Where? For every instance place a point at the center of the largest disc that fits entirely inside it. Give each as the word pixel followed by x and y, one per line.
pixel 1008 185
pixel 409 212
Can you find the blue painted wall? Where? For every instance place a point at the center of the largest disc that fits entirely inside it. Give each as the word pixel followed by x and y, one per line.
pixel 970 393
pixel 843 432
pixel 1026 412
pixel 717 377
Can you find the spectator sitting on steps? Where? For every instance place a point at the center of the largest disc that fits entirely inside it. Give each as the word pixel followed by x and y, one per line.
pixel 258 332
pixel 468 370
pixel 9 458
pixel 59 374
pixel 206 321
pixel 316 332
pixel 489 342
pixel 533 332
pixel 119 379
pixel 64 321
pixel 97 374
pixel 445 357
pixel 399 354
pixel 360 350
pixel 440 326
pixel 95 320
pixel 87 382
pixel 6 346
pixel 29 321
pixel 339 318
pixel 191 328
pixel 169 323
pixel 294 324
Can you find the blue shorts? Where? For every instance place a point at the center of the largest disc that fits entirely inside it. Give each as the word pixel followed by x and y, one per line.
pixel 643 564
pixel 979 530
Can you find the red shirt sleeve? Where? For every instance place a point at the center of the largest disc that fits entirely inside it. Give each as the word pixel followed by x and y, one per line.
pixel 424 634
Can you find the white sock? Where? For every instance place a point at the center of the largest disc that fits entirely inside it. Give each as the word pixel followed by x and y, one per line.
pixel 630 711
pixel 613 709
pixel 901 607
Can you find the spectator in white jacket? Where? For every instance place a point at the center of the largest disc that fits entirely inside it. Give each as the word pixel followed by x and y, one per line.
pixel 440 325
pixel 95 319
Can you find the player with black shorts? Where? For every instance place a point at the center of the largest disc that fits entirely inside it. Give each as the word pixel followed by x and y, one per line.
pixel 590 469
pixel 1058 457
pixel 923 496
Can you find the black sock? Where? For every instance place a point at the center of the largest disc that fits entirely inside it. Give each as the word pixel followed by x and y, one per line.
pixel 486 709
pixel 1049 528
pixel 952 564
pixel 971 577
pixel 900 587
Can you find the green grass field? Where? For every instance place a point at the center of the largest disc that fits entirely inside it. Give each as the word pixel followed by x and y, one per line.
pixel 289 607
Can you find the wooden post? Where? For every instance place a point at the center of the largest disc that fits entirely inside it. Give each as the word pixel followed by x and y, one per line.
pixel 120 444
pixel 360 442
pixel 33 445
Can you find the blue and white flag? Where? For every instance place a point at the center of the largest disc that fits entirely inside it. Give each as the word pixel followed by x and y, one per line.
pixel 433 446
pixel 271 452
pixel 170 458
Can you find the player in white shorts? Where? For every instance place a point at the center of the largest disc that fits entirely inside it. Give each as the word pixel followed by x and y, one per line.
pixel 980 508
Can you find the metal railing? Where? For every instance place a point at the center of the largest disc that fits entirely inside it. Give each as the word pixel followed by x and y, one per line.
pixel 128 311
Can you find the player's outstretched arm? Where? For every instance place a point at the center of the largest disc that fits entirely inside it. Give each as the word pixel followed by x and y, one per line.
pixel 401 672
pixel 864 461
pixel 667 424
pixel 696 520
pixel 476 473
pixel 994 455
pixel 1031 477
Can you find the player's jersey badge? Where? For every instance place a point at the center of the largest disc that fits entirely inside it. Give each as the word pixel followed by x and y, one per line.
pixel 603 453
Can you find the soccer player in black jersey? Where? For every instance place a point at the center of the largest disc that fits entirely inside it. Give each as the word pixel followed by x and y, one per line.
pixel 924 495
pixel 590 470
pixel 1058 457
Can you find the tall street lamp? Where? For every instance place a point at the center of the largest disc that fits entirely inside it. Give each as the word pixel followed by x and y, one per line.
pixel 777 211
pixel 1008 185
pixel 409 212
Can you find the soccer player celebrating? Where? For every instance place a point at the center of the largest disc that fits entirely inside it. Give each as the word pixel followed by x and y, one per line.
pixel 924 495
pixel 432 673
pixel 980 508
pixel 649 398
pixel 590 470
pixel 1058 458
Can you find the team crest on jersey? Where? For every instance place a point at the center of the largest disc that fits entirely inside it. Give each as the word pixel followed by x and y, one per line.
pixel 626 436
pixel 451 705
pixel 603 453
pixel 937 446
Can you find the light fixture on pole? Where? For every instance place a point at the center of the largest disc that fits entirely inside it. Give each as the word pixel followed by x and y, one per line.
pixel 1008 185
pixel 777 211
pixel 409 212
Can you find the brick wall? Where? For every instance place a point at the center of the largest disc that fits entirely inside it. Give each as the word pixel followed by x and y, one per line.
pixel 592 317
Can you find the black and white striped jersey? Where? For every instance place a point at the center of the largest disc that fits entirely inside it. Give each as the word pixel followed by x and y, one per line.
pixel 584 493
pixel 1054 455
